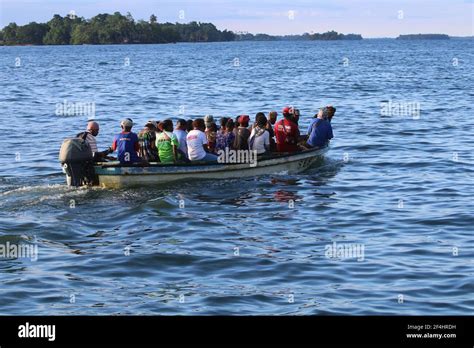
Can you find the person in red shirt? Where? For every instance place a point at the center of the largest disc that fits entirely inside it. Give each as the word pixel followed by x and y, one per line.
pixel 287 133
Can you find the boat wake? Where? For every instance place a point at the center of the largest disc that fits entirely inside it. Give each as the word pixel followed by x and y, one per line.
pixel 36 188
pixel 19 197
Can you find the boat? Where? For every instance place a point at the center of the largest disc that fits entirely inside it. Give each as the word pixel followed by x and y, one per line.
pixel 116 175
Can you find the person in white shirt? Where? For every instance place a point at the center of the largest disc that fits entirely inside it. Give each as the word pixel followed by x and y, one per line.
pixel 89 136
pixel 180 132
pixel 259 139
pixel 92 131
pixel 197 143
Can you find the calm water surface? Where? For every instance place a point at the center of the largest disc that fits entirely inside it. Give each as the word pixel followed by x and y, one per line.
pixel 401 186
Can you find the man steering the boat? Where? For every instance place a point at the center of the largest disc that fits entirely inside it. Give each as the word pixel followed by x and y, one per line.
pixel 89 136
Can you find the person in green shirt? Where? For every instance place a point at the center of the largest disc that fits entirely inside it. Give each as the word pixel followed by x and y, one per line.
pixel 167 143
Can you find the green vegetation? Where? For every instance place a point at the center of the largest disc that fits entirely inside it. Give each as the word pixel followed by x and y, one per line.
pixel 333 35
pixel 122 29
pixel 330 35
pixel 109 29
pixel 423 36
pixel 256 37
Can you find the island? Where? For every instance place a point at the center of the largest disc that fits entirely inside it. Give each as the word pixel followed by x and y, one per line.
pixel 330 35
pixel 423 37
pixel 109 29
pixel 105 29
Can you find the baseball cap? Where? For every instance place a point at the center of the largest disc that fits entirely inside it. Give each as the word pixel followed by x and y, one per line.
pixel 208 119
pixel 152 122
pixel 127 122
pixel 244 118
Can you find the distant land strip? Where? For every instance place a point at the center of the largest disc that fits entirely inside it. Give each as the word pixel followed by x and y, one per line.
pixel 123 29
pixel 106 29
pixel 424 37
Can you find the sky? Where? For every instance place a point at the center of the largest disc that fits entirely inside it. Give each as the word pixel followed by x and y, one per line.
pixel 371 18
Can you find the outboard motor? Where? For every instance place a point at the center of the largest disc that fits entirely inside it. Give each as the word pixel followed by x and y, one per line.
pixel 77 161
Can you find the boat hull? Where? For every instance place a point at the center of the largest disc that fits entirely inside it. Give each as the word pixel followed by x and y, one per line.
pixel 112 175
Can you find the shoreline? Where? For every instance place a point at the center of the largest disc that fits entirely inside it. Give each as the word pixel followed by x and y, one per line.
pixel 239 41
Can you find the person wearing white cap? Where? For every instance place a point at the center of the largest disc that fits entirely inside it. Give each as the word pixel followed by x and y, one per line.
pixel 126 143
pixel 208 120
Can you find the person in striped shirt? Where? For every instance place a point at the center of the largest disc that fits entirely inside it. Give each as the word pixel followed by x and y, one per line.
pixel 89 136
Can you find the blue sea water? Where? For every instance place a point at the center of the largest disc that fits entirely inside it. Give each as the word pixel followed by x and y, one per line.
pixel 397 182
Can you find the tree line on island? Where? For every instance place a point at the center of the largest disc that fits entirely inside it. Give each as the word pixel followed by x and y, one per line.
pixel 109 29
pixel 124 29
pixel 423 37
pixel 330 35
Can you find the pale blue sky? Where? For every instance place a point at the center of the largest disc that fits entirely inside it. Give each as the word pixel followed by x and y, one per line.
pixel 371 18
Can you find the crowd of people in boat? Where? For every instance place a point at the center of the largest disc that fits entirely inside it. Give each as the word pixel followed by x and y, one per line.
pixel 201 139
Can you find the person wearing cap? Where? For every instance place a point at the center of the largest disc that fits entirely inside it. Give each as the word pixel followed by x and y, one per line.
pixel 146 139
pixel 320 130
pixel 126 143
pixel 180 132
pixel 286 111
pixel 287 133
pixel 242 133
pixel 208 121
pixel 89 137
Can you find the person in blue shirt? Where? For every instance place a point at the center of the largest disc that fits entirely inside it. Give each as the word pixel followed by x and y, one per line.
pixel 319 131
pixel 126 143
